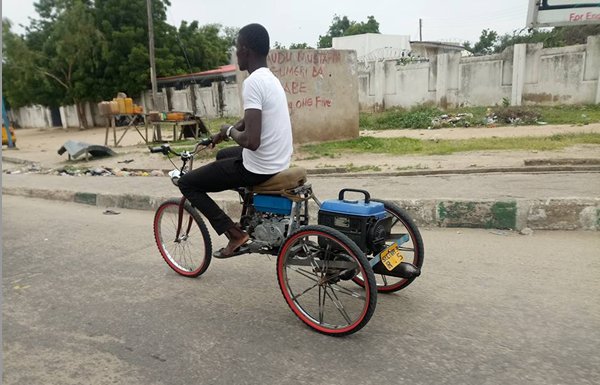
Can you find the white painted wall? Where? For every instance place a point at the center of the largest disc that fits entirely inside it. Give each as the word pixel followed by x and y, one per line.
pixel 181 100
pixel 31 116
pixel 369 42
pixel 524 74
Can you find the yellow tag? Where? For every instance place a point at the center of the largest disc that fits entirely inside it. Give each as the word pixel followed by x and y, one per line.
pixel 391 257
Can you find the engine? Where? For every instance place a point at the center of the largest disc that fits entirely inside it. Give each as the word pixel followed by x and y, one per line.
pixel 269 223
pixel 268 230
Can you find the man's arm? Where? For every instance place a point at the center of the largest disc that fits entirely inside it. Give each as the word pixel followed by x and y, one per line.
pixel 247 131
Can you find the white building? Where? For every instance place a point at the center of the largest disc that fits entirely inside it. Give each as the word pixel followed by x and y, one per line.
pixel 374 46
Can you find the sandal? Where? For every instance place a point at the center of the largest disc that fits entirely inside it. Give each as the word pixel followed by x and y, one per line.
pixel 237 238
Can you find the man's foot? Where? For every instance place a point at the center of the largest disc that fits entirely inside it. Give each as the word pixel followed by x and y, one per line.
pixel 237 238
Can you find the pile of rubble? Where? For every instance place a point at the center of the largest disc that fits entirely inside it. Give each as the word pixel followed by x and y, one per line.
pixel 73 171
pixel 452 120
pixel 100 171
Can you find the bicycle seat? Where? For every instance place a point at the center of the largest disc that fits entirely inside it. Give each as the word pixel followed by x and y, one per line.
pixel 285 180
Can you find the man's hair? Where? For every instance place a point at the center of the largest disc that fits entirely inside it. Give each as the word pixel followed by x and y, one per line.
pixel 255 37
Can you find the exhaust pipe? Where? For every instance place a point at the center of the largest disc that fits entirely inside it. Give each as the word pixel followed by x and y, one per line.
pixel 403 270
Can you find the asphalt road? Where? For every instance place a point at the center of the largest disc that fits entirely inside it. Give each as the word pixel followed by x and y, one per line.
pixel 88 300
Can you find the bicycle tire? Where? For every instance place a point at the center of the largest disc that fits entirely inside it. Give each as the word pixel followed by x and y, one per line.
pixel 418 250
pixel 196 261
pixel 346 253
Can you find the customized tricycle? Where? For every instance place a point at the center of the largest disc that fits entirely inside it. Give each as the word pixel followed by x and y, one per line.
pixel 329 273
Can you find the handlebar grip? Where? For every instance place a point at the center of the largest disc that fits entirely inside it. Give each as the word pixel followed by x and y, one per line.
pixel 366 193
pixel 205 141
pixel 156 149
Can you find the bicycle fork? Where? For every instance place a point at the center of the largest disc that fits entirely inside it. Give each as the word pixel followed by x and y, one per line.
pixel 180 222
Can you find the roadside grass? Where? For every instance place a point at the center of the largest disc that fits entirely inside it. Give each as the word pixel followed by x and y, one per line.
pixel 419 116
pixel 422 116
pixel 402 146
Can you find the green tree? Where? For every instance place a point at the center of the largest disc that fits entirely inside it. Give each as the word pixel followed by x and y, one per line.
pixel 206 47
pixel 300 46
pixel 22 83
pixel 490 42
pixel 230 35
pixel 278 45
pixel 84 50
pixel 556 37
pixel 59 68
pixel 71 55
pixel 344 27
pixel 125 27
pixel 485 45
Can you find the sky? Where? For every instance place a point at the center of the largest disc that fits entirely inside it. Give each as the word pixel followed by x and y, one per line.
pixel 302 21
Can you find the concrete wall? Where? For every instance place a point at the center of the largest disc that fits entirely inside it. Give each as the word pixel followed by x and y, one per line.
pixel 322 92
pixel 524 74
pixel 181 100
pixel 231 100
pixel 220 99
pixel 31 116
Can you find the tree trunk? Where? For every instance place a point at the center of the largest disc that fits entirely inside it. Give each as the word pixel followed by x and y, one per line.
pixel 81 116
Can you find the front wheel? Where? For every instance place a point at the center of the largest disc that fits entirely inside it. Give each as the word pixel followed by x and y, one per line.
pixel 188 253
pixel 315 269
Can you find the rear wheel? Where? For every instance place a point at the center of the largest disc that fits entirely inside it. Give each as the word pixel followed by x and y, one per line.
pixel 412 250
pixel 190 252
pixel 315 268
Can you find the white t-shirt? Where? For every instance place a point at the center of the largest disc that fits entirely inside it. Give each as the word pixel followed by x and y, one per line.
pixel 263 91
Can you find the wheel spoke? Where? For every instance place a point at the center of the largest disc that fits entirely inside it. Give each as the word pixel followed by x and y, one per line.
pixel 340 306
pixel 346 291
pixel 304 273
pixel 322 297
pixel 384 279
pixel 295 297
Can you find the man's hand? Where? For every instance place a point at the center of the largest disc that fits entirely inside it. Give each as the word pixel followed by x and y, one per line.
pixel 224 128
pixel 216 139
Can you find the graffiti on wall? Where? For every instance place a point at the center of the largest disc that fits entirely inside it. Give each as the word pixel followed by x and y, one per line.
pixel 299 72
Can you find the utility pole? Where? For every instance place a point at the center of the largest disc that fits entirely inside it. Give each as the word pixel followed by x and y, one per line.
pixel 151 51
pixel 420 29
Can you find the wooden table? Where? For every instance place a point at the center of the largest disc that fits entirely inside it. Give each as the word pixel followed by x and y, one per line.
pixel 135 121
pixel 175 124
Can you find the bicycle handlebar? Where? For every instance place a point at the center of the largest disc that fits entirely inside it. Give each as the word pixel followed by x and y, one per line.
pixel 165 149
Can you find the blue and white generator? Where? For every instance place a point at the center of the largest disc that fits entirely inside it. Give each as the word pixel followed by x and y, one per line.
pixel 363 221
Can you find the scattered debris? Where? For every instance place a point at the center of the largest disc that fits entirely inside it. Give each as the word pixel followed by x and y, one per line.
pixel 34 167
pixel 126 161
pixel 111 212
pixel 75 149
pixel 526 231
pixel 452 120
pixel 500 232
pixel 515 115
pixel 99 171
pixel 96 171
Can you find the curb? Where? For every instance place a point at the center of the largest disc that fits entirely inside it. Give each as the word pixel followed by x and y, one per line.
pixel 515 214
